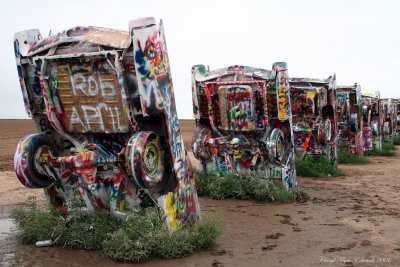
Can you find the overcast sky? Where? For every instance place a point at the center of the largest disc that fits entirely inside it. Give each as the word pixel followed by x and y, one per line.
pixel 357 40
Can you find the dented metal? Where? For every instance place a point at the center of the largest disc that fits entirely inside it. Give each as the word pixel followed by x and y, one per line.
pixel 243 121
pixel 314 116
pixel 350 119
pixel 103 103
pixel 389 118
pixel 372 121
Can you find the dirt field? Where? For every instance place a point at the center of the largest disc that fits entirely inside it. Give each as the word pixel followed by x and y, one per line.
pixel 349 221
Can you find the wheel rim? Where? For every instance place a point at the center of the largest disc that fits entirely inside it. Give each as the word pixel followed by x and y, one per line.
pixel 146 160
pixel 276 145
pixel 328 130
pixel 151 158
pixel 38 153
pixel 280 147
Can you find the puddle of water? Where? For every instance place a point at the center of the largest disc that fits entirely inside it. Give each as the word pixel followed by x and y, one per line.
pixel 7 226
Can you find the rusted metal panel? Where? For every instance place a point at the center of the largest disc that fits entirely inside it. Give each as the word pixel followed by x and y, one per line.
pixel 108 102
pixel 89 94
pixel 313 103
pixel 32 43
pixel 244 121
pixel 107 37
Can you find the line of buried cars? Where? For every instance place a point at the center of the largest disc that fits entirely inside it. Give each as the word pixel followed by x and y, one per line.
pixel 107 128
pixel 255 119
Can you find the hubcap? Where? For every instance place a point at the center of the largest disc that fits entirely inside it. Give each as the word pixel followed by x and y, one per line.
pixel 151 159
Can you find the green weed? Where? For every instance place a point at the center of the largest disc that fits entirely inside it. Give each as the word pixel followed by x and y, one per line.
pixel 318 166
pixel 396 140
pixel 388 150
pixel 345 157
pixel 245 186
pixel 131 238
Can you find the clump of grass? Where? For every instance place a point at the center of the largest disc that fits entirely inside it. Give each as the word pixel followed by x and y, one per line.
pixel 136 237
pixel 219 186
pixel 345 157
pixel 35 223
pixel 388 146
pixel 245 186
pixel 396 140
pixel 85 231
pixel 386 151
pixel 132 238
pixel 207 231
pixel 318 166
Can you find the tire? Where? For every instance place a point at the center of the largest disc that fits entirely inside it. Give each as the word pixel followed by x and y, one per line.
pixel 145 160
pixel 199 143
pixel 386 128
pixel 26 160
pixel 325 132
pixel 375 128
pixel 353 122
pixel 332 155
pixel 276 145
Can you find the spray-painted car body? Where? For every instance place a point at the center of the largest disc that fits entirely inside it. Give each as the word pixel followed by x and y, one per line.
pixel 396 104
pixel 104 108
pixel 389 117
pixel 314 116
pixel 243 121
pixel 350 122
pixel 372 121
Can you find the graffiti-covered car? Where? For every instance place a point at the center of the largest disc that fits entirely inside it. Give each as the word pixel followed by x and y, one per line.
pixel 243 121
pixel 396 104
pixel 372 120
pixel 389 118
pixel 350 122
pixel 103 104
pixel 314 116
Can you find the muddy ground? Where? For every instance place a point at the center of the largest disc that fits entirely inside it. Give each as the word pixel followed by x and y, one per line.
pixel 349 221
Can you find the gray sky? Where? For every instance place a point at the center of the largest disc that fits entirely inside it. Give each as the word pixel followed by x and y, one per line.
pixel 357 40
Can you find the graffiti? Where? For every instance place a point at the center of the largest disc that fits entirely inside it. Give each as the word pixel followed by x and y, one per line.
pixel 234 120
pixel 350 122
pixel 151 62
pixel 93 141
pixel 170 207
pixel 388 109
pixel 89 86
pixel 152 65
pixel 275 172
pixel 282 95
pixel 88 93
pixel 372 121
pixel 313 104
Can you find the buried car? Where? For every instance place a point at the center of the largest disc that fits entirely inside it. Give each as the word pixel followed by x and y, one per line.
pixel 103 104
pixel 372 121
pixel 243 121
pixel 389 117
pixel 314 116
pixel 350 122
pixel 396 103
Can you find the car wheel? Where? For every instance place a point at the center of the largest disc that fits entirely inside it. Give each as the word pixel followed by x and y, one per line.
pixel 331 154
pixel 325 132
pixel 27 160
pixel 353 122
pixel 145 160
pixel 276 145
pixel 199 143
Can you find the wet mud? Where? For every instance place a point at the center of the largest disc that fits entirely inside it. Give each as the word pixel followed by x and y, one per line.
pixel 349 221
